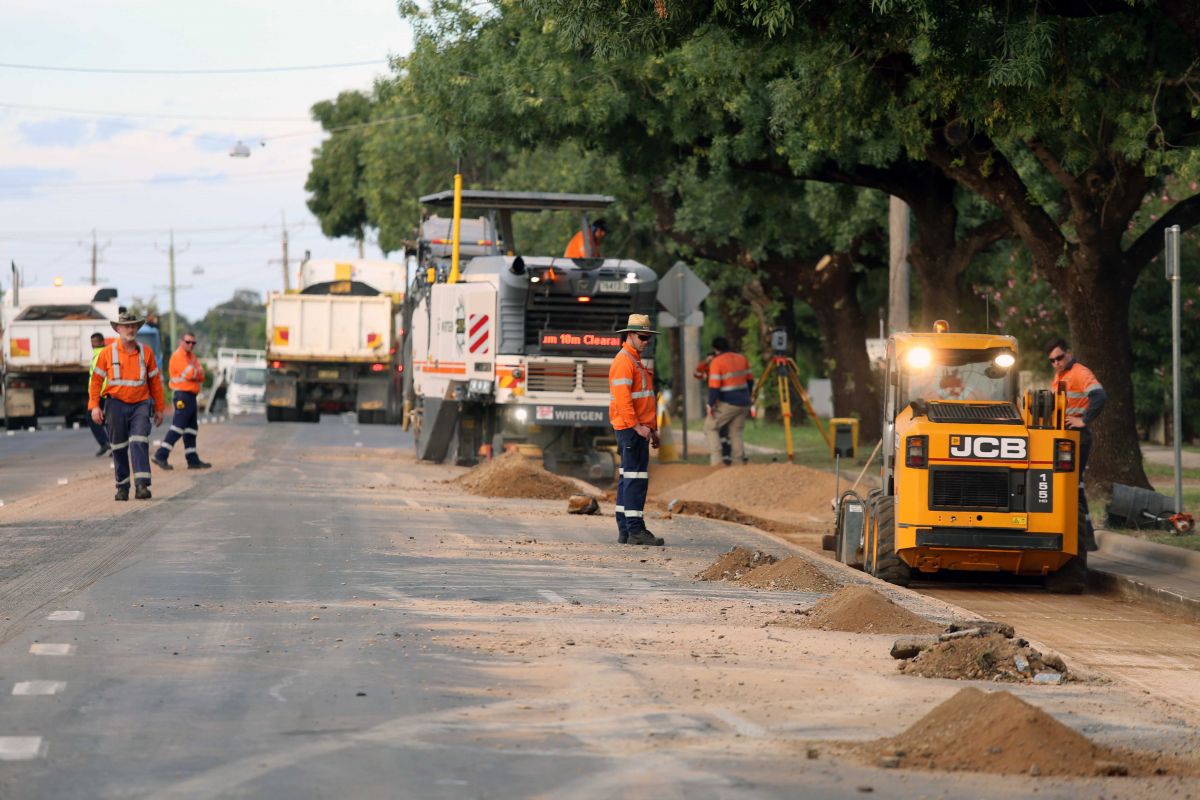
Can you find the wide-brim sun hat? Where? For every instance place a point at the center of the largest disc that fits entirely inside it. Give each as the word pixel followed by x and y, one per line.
pixel 638 323
pixel 128 318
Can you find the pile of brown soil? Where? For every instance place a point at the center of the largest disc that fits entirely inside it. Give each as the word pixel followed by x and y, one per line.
pixel 860 609
pixel 514 475
pixel 733 565
pixel 697 508
pixel 792 574
pixel 665 478
pixel 784 493
pixel 1000 733
pixel 990 657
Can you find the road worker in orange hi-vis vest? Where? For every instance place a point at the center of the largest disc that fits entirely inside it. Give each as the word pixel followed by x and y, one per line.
pixel 126 396
pixel 700 373
pixel 187 376
pixel 1085 401
pixel 730 384
pixel 633 412
pixel 580 247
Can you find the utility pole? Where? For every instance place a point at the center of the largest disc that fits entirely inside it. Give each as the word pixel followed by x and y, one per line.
pixel 171 286
pixel 898 282
pixel 286 263
pixel 97 250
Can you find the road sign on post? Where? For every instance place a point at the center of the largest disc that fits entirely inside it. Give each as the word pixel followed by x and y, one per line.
pixel 681 292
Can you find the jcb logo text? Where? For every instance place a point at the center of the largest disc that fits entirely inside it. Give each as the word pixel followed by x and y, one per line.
pixel 1011 448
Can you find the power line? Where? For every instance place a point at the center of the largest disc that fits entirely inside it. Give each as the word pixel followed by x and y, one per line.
pixel 149 114
pixel 219 178
pixel 225 71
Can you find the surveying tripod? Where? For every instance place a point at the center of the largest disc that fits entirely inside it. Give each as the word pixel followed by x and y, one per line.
pixel 787 378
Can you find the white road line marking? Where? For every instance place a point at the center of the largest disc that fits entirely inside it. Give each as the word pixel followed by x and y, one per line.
pixel 553 597
pixel 38 687
pixel 412 503
pixel 358 444
pixel 65 616
pixel 62 481
pixel 21 748
pixel 52 649
pixel 740 724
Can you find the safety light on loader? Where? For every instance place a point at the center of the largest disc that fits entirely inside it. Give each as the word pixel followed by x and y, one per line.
pixel 941 326
pixel 584 299
pixel 521 414
pixel 1004 360
pixel 378 367
pixel 631 277
pixel 1064 455
pixel 919 358
pixel 916 452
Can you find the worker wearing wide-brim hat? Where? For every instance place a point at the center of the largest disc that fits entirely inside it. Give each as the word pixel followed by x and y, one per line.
pixel 133 394
pixel 633 414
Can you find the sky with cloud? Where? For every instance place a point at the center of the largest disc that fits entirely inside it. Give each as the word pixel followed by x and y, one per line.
pixel 135 157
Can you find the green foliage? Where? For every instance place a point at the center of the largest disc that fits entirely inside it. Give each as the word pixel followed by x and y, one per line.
pixel 238 322
pixel 335 180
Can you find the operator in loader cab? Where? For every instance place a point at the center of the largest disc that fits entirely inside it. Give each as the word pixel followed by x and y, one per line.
pixel 587 244
pixel 1085 401
pixel 633 412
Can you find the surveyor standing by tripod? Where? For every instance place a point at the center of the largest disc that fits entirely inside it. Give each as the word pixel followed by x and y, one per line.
pixel 730 384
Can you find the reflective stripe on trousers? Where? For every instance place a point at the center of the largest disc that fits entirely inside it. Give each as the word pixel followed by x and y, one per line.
pixel 128 426
pixel 184 422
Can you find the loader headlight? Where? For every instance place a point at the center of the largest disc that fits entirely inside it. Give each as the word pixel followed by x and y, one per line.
pixel 918 358
pixel 521 415
pixel 1004 360
pixel 479 387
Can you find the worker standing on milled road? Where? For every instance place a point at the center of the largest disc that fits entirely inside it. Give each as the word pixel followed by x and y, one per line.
pixel 633 414
pixel 1085 401
pixel 730 385
pixel 132 388
pixel 186 378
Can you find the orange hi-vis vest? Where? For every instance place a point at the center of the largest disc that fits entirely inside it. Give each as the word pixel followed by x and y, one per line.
pixel 1078 382
pixel 632 388
pixel 576 248
pixel 729 372
pixel 186 373
pixel 131 376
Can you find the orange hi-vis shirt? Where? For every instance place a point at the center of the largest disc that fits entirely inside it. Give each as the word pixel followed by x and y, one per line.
pixel 729 372
pixel 632 390
pixel 132 376
pixel 1078 382
pixel 576 249
pixel 186 373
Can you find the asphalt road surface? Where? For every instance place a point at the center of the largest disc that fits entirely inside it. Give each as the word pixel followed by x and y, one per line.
pixel 327 619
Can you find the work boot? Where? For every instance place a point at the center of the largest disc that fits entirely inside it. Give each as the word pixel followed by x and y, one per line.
pixel 161 463
pixel 142 492
pixel 122 493
pixel 103 451
pixel 199 465
pixel 645 538
pixel 623 538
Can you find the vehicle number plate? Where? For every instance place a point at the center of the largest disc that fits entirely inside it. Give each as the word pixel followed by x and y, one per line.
pixel 327 374
pixel 614 287
pixel 59 388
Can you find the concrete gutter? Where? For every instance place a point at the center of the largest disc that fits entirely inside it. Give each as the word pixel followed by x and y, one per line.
pixel 1167 576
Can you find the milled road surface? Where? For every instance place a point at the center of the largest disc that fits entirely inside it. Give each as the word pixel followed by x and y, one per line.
pixel 322 617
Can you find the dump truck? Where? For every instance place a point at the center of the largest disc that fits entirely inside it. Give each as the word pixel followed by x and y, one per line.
pixel 331 345
pixel 974 478
pixel 512 351
pixel 48 352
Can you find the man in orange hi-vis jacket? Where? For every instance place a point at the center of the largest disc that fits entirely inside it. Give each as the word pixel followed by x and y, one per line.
pixel 128 375
pixel 580 247
pixel 1085 400
pixel 633 414
pixel 730 386
pixel 187 376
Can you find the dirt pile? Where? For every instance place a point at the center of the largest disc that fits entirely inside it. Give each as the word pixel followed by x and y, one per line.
pixel 796 496
pixel 698 508
pixel 792 574
pixel 514 475
pixel 733 565
pixel 860 609
pixel 1000 733
pixel 989 657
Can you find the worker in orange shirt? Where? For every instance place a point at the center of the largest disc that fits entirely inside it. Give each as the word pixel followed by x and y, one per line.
pixel 700 373
pixel 186 378
pixel 1085 400
pixel 730 385
pixel 587 246
pixel 633 412
pixel 126 373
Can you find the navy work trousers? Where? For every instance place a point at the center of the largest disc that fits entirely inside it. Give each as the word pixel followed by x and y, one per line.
pixel 1085 449
pixel 185 422
pixel 128 426
pixel 633 482
pixel 97 431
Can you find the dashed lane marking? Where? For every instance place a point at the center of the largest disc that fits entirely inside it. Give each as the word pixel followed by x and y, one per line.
pixel 21 748
pixel 47 649
pixel 739 723
pixel 38 687
pixel 553 597
pixel 65 616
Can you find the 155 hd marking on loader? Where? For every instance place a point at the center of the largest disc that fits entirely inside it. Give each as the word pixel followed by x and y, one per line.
pixel 973 479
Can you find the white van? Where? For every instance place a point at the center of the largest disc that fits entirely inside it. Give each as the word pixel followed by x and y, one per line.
pixel 243 376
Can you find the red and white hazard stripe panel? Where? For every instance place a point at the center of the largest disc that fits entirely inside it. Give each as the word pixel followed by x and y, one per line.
pixel 478 332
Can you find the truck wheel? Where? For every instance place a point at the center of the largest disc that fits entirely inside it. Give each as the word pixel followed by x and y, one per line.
pixel 886 565
pixel 274 414
pixel 1071 577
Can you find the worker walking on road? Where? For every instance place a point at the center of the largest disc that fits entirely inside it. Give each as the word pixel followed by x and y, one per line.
pixel 96 428
pixel 1085 401
pixel 633 414
pixel 187 376
pixel 700 373
pixel 126 373
pixel 587 244
pixel 730 384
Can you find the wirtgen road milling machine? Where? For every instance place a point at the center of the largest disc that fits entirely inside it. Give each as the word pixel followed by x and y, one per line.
pixel 973 477
pixel 513 350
